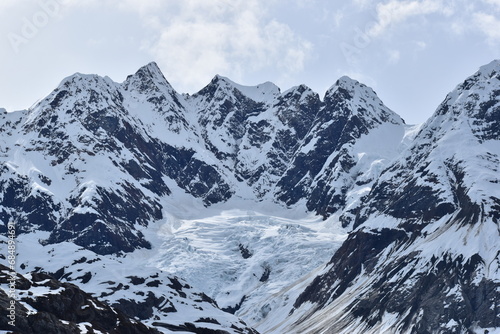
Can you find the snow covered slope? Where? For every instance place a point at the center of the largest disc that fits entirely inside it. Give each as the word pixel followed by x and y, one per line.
pixel 424 257
pixel 130 284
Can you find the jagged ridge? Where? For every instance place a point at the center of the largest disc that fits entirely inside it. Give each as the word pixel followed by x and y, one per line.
pixel 96 159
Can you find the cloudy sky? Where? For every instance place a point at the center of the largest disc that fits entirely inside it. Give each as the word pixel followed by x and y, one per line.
pixel 412 52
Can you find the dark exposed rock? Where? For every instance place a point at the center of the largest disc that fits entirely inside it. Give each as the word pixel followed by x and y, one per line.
pixel 145 309
pixel 233 309
pixel 245 253
pixel 61 310
pixel 359 251
pixel 265 274
pixel 136 280
pixel 336 125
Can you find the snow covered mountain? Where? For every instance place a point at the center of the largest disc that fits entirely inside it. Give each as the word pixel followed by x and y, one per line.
pixel 424 254
pixel 49 306
pixel 179 210
pixel 96 159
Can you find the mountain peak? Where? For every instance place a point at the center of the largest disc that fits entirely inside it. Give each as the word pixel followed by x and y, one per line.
pixel 148 77
pixel 473 104
pixel 362 100
pixel 83 87
pixel 491 68
pixel 346 80
pixel 264 92
pixel 221 78
pixel 222 81
pixel 483 77
pixel 79 80
pixel 151 68
pixel 300 89
pixel 349 85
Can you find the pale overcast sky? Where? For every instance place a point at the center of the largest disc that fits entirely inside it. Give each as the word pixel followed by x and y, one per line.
pixel 412 52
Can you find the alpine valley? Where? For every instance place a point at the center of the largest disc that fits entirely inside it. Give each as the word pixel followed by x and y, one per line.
pixel 249 210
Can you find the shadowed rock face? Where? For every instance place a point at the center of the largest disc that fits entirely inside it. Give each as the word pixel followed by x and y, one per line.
pixel 324 173
pixel 425 295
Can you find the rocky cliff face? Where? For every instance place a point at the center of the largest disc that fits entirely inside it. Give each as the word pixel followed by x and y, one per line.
pixel 91 161
pixel 333 157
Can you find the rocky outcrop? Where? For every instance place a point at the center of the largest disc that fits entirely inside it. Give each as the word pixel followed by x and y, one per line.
pixel 45 305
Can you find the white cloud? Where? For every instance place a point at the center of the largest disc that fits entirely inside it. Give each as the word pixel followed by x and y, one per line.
pixel 489 25
pixel 338 17
pixel 7 4
pixel 493 2
pixel 421 45
pixel 396 11
pixel 202 38
pixel 394 56
pixel 362 3
pixel 192 40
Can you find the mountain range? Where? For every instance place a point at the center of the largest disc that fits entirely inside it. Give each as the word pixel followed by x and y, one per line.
pixel 244 209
